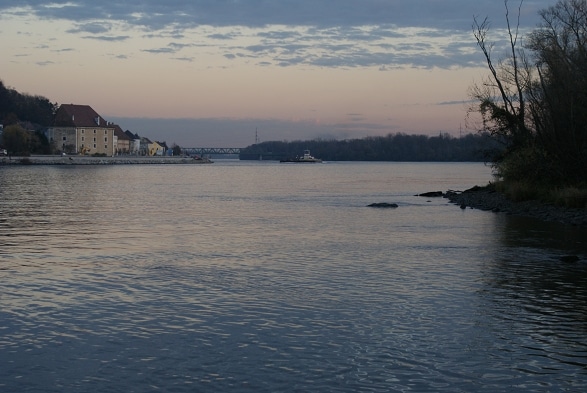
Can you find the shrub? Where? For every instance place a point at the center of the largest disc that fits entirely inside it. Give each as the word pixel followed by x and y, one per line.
pixel 529 165
pixel 519 191
pixel 570 197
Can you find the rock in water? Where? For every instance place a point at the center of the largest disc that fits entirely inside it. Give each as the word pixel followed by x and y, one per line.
pixel 383 205
pixel 569 258
pixel 432 194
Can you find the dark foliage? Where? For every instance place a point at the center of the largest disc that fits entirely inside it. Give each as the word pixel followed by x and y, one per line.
pixel 535 100
pixel 15 107
pixel 560 48
pixel 24 117
pixel 393 147
pixel 176 150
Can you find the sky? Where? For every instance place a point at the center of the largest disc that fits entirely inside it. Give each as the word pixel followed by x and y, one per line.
pixel 226 73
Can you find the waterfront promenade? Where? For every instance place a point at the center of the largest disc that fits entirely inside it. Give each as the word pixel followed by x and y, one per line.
pixel 91 160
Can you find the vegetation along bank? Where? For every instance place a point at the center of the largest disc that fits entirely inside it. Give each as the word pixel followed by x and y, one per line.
pixel 534 103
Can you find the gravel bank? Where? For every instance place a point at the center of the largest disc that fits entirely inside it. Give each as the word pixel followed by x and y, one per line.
pixel 486 198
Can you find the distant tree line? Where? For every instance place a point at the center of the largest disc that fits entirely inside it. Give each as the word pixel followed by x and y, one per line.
pixel 534 101
pixel 393 147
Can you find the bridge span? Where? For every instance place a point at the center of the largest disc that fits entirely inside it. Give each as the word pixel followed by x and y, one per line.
pixel 203 151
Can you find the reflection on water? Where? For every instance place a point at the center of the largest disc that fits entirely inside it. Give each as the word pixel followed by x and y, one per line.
pixel 538 304
pixel 261 277
pixel 530 233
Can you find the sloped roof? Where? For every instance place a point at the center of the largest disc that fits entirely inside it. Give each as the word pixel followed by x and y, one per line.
pixel 71 115
pixel 131 135
pixel 119 133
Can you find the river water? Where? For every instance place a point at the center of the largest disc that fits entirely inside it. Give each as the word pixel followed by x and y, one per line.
pixel 268 277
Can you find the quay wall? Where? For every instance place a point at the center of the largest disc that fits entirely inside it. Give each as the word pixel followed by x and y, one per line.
pixel 90 160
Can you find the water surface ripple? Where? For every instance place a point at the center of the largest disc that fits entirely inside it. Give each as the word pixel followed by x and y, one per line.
pixel 246 276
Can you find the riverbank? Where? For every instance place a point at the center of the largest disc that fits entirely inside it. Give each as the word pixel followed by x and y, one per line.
pixel 90 160
pixel 486 198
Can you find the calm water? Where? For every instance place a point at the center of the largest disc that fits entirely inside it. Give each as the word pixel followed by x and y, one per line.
pixel 267 277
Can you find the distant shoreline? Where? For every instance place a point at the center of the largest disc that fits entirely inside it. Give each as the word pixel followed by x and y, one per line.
pixel 486 198
pixel 90 160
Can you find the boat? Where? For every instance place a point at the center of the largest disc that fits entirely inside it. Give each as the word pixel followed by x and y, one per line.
pixel 202 160
pixel 306 158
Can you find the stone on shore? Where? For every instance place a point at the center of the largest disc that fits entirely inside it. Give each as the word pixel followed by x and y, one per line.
pixel 487 198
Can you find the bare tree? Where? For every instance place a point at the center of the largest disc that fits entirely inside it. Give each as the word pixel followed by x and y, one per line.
pixel 502 96
pixel 538 109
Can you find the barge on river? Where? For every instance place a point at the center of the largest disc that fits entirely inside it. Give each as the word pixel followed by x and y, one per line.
pixel 306 158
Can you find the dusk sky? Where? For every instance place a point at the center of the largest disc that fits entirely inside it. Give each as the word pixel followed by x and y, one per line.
pixel 208 73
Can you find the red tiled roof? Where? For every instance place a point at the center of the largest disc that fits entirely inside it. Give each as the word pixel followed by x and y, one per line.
pixel 71 115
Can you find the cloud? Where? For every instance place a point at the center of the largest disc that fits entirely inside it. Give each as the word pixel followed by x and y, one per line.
pixel 355 117
pixel 107 38
pixel 92 27
pixel 314 47
pixel 321 33
pixel 186 59
pixel 44 63
pixel 161 50
pixel 154 14
pixel 457 102
pixel 172 47
pixel 220 36
pixel 178 45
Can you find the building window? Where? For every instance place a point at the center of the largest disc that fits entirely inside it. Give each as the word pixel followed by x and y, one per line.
pixel 106 147
pixel 83 131
pixel 94 139
pixel 105 139
pixel 83 138
pixel 94 131
pixel 105 132
pixel 64 138
pixel 94 145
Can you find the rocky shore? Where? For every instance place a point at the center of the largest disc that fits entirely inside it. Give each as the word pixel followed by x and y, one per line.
pixel 486 198
pixel 90 160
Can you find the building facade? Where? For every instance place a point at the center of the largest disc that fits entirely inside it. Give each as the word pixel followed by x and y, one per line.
pixel 122 141
pixel 135 143
pixel 79 129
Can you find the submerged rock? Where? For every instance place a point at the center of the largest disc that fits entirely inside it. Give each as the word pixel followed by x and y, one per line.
pixel 384 205
pixel 569 258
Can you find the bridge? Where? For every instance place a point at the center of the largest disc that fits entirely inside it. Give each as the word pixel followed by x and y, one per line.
pixel 206 151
